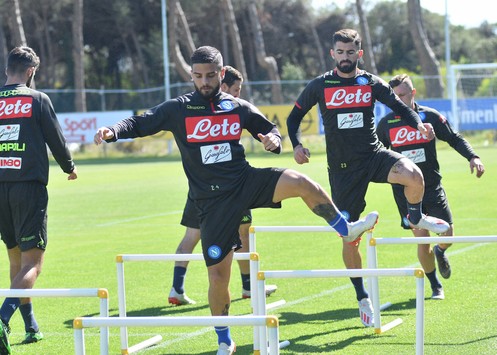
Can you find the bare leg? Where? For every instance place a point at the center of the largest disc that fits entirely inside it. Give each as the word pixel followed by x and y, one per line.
pixel 219 279
pixel 244 237
pixel 187 244
pixel 31 263
pixel 406 173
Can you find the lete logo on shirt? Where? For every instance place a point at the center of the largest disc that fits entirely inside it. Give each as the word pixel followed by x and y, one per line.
pixel 16 107
pixel 406 135
pixel 213 128
pixel 348 96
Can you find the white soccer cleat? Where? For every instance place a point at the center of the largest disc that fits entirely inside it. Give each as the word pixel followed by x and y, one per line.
pixel 357 228
pixel 270 289
pixel 438 294
pixel 366 312
pixel 179 299
pixel 225 349
pixel 433 224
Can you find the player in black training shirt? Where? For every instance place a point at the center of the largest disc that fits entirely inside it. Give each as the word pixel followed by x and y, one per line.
pixel 28 124
pixel 207 126
pixel 346 97
pixel 395 134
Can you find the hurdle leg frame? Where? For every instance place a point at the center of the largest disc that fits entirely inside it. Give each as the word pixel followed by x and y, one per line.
pixel 418 273
pixel 101 293
pixel 125 348
pixel 271 322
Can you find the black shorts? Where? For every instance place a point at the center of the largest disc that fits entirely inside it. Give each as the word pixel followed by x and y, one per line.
pixel 23 214
pixel 435 204
pixel 190 217
pixel 348 189
pixel 220 217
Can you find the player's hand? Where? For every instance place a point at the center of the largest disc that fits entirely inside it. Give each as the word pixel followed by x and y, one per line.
pixel 73 175
pixel 476 164
pixel 102 134
pixel 301 154
pixel 427 130
pixel 270 141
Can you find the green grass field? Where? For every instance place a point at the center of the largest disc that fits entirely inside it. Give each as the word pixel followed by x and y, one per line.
pixel 122 206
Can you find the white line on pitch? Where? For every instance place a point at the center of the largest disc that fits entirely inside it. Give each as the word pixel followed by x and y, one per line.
pixel 137 218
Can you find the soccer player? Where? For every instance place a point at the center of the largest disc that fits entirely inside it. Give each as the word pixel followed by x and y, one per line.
pixel 207 126
pixel 346 97
pixel 231 84
pixel 28 124
pixel 395 134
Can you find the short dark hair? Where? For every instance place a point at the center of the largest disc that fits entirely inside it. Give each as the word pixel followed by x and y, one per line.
pixel 347 35
pixel 20 59
pixel 399 79
pixel 207 55
pixel 231 75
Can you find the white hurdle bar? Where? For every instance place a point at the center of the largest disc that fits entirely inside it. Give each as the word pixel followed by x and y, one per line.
pixel 120 259
pixel 416 272
pixel 101 293
pixel 372 258
pixel 271 322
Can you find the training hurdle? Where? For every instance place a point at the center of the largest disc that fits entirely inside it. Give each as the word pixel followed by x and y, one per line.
pixel 101 293
pixel 120 259
pixel 372 258
pixel 416 272
pixel 271 322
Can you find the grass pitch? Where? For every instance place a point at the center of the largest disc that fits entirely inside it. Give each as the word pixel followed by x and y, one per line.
pixel 124 206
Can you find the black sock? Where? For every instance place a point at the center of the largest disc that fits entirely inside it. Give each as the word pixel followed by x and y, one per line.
pixel 414 211
pixel 359 288
pixel 29 318
pixel 434 281
pixel 245 281
pixel 179 279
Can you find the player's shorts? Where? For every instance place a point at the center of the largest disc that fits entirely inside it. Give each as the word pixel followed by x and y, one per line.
pixel 435 204
pixel 23 214
pixel 190 215
pixel 220 217
pixel 348 189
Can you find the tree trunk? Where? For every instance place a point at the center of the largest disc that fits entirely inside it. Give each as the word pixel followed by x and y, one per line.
pixel 3 53
pixel 268 63
pixel 430 67
pixel 236 42
pixel 368 57
pixel 78 57
pixel 13 10
pixel 175 13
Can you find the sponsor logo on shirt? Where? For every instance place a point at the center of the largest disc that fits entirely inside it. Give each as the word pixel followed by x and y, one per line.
pixel 416 155
pixel 216 153
pixel 406 135
pixel 348 97
pixel 15 147
pixel 9 132
pixel 350 120
pixel 10 163
pixel 16 107
pixel 191 107
pixel 213 128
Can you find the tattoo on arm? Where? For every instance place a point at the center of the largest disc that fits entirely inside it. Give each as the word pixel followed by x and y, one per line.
pixel 326 211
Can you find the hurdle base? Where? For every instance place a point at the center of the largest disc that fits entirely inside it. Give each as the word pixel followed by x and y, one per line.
pixel 385 306
pixel 275 304
pixel 284 344
pixel 144 344
pixel 388 326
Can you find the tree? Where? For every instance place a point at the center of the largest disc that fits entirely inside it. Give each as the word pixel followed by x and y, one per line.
pixel 430 66
pixel 368 57
pixel 268 63
pixel 78 57
pixel 175 14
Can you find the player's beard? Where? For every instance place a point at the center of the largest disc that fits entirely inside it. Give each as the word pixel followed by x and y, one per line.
pixel 346 66
pixel 208 92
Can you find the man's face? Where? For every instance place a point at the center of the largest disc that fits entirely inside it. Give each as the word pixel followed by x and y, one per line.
pixel 346 56
pixel 405 93
pixel 234 89
pixel 207 79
